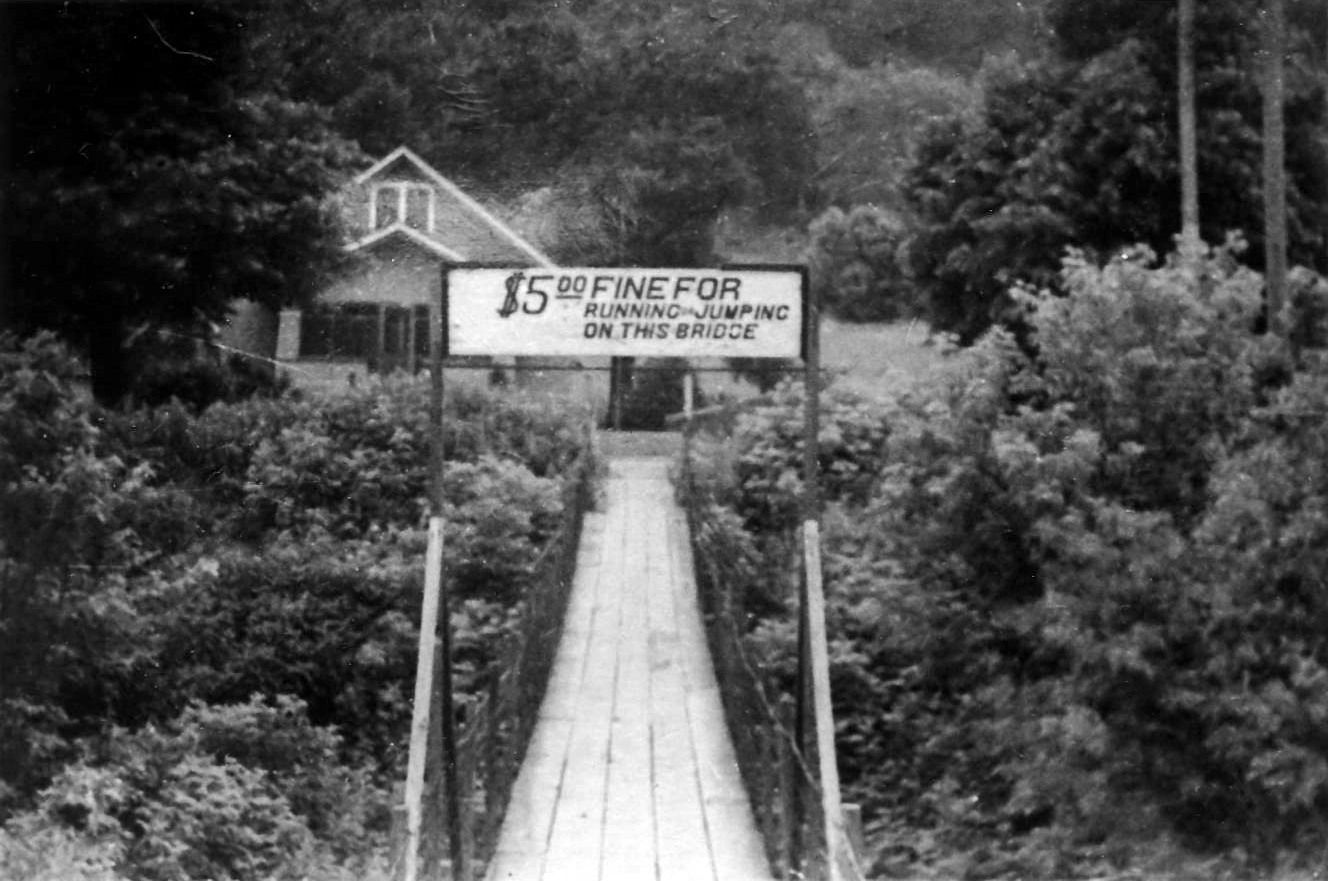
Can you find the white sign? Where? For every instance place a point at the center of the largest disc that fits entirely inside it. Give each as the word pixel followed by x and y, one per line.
pixel 752 313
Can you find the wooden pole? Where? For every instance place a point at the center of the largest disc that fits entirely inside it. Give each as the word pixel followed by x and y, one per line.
pixel 434 613
pixel 1186 99
pixel 419 726
pixel 814 664
pixel 1274 163
pixel 688 393
pixel 446 715
pixel 818 646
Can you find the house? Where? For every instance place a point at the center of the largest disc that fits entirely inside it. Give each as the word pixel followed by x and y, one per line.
pixel 406 222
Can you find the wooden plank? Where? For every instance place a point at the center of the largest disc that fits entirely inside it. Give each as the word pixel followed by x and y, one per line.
pixel 634 777
pixel 717 765
pixel 629 829
pixel 739 854
pixel 681 835
pixel 524 839
pixel 424 676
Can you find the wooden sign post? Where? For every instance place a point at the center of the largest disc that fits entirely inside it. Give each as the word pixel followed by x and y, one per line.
pixel 434 618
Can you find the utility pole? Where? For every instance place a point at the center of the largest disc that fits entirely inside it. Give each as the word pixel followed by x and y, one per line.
pixel 1273 35
pixel 1187 100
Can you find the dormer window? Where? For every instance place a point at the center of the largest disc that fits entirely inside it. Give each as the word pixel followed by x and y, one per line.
pixel 397 202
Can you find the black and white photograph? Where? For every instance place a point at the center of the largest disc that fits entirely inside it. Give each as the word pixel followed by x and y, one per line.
pixel 663 440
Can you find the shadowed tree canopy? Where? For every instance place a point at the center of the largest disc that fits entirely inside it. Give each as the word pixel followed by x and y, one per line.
pixel 147 187
pixel 1082 149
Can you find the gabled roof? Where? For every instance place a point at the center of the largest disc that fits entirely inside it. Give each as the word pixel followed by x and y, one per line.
pixel 411 234
pixel 475 213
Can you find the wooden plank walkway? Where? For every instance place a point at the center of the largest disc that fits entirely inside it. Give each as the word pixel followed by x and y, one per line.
pixel 631 774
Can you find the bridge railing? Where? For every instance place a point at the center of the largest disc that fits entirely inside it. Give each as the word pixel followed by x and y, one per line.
pixel 495 732
pixel 764 719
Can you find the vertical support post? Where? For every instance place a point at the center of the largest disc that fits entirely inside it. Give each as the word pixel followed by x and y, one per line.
pixel 812 639
pixel 688 394
pixel 419 725
pixel 433 614
pixel 811 507
pixel 1189 173
pixel 1273 38
pixel 818 645
pixel 447 717
pixel 811 359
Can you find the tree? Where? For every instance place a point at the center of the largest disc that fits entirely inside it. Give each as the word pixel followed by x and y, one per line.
pixel 146 189
pixel 867 123
pixel 951 35
pixel 855 265
pixel 1080 149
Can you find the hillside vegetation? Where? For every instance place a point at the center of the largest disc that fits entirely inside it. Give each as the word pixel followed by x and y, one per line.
pixel 1075 583
pixel 208 623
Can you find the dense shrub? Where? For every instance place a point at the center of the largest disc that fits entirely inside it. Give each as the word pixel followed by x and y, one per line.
pixel 197 381
pixel 210 619
pixel 36 848
pixel 1077 593
pixel 770 470
pixel 857 265
pixel 1078 490
pixel 77 522
pixel 245 791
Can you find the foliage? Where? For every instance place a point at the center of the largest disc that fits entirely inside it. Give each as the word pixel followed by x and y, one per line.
pixel 76 521
pixel 35 849
pixel 198 381
pixel 1080 149
pixel 770 471
pixel 944 34
pixel 659 206
pixel 638 125
pixel 855 263
pixel 1079 604
pixel 237 792
pixel 868 120
pixel 178 191
pixel 153 559
pixel 1063 493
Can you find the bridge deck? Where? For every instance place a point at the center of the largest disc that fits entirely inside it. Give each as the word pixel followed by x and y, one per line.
pixel 631 774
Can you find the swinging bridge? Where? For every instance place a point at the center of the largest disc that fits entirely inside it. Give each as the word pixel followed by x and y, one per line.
pixel 628 735
pixel 625 734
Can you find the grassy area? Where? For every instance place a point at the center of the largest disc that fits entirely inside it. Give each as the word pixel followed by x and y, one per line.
pixel 884 359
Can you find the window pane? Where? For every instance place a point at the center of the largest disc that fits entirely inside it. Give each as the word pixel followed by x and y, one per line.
pixel 422 331
pixel 395 335
pixel 357 331
pixel 316 332
pixel 385 201
pixel 417 208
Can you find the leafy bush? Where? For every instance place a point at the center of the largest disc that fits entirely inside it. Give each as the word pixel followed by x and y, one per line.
pixel 199 381
pixel 1077 592
pixel 857 265
pixel 157 558
pixel 1061 492
pixel 76 523
pixel 35 848
pixel 769 469
pixel 1077 147
pixel 244 791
